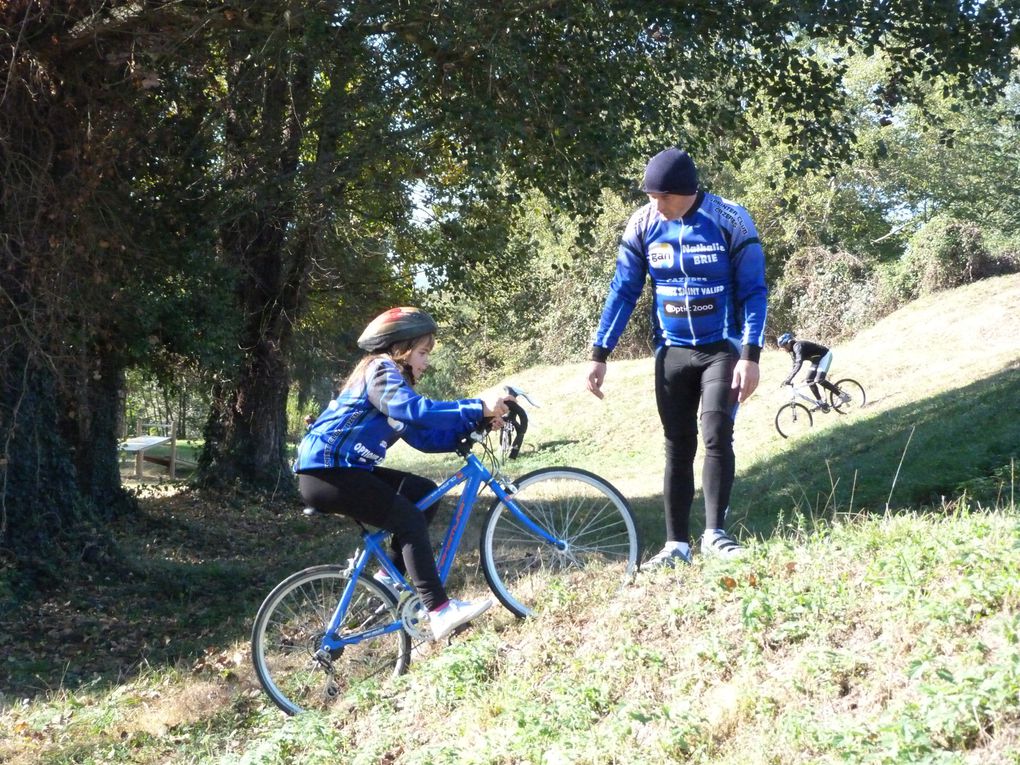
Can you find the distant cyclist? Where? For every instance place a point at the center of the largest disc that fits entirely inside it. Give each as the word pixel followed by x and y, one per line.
pixel 820 359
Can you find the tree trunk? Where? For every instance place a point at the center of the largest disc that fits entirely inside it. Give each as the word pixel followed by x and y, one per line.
pixel 59 390
pixel 51 513
pixel 92 435
pixel 269 95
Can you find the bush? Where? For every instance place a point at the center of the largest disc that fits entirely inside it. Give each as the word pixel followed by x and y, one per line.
pixel 1005 251
pixel 826 295
pixel 943 254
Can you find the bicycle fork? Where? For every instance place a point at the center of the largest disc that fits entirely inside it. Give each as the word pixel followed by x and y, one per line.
pixel 507 498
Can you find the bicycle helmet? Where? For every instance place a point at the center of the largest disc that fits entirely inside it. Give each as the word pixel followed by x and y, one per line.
pixel 671 172
pixel 394 325
pixel 784 339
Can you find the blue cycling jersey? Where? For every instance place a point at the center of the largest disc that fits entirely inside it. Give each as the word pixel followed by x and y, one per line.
pixel 708 274
pixel 367 418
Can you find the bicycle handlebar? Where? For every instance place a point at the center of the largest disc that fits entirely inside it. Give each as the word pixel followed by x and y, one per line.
pixel 516 420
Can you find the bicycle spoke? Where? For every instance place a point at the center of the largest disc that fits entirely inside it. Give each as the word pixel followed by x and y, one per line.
pixel 286 639
pixel 584 513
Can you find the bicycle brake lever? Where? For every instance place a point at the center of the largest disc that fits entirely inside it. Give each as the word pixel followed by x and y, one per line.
pixel 518 393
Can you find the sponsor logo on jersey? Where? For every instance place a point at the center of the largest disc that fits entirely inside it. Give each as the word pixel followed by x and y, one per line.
pixel 677 309
pixel 667 290
pixel 703 253
pixel 365 452
pixel 660 255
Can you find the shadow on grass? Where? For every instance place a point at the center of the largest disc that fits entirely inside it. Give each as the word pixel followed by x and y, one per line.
pixel 194 572
pixel 543 448
pixel 956 442
pixel 962 441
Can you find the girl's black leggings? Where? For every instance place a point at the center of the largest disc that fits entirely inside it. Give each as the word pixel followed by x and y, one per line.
pixel 385 499
pixel 684 379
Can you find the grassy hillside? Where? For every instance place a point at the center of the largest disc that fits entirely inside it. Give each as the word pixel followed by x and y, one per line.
pixel 942 373
pixel 851 634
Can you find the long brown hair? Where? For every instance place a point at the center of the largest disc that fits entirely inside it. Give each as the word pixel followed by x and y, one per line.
pixel 400 352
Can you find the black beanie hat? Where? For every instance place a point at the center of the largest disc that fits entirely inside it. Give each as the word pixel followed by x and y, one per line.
pixel 671 172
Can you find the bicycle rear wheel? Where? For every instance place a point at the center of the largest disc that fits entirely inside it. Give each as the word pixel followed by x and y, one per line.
pixel 850 397
pixel 590 518
pixel 793 419
pixel 288 631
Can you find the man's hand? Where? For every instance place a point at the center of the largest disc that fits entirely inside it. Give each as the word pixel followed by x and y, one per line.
pixel 745 379
pixel 596 376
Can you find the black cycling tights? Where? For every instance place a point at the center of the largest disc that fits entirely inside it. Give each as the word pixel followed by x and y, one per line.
pixel 685 377
pixel 383 498
pixel 815 376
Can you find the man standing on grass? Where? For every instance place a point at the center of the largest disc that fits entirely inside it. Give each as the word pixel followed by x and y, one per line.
pixel 708 275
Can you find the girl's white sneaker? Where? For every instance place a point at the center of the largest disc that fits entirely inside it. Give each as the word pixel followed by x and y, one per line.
pixel 455 613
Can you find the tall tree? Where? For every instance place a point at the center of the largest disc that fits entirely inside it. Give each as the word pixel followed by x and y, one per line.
pixel 97 246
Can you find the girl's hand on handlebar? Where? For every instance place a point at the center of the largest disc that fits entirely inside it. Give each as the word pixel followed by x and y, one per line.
pixel 494 406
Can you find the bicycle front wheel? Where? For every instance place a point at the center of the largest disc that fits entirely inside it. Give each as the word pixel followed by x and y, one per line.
pixel 793 419
pixel 286 640
pixel 590 520
pixel 850 397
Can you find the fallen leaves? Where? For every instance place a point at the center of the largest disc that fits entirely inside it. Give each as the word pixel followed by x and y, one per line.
pixel 215 660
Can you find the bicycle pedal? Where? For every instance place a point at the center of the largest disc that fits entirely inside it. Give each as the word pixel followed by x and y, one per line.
pixel 458 630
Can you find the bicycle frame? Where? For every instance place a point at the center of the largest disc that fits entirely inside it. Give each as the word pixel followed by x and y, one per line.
pixel 797 393
pixel 474 475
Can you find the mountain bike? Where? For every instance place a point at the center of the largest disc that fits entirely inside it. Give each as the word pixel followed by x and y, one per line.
pixel 795 417
pixel 326 629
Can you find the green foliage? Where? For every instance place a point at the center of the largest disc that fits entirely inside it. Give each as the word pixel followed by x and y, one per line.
pixel 247 174
pixel 943 254
pixel 544 305
pixel 834 240
pixel 826 295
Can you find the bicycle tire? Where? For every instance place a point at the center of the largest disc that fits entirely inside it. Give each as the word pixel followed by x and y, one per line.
pixel 289 628
pixel 856 398
pixel 793 419
pixel 571 504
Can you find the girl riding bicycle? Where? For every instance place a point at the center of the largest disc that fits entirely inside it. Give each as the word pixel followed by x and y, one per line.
pixel 338 459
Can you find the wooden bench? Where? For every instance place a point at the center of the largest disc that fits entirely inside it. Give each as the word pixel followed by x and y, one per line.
pixel 138 445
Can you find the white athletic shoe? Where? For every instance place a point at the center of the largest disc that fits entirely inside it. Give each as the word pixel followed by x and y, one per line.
pixel 454 614
pixel 722 545
pixel 666 559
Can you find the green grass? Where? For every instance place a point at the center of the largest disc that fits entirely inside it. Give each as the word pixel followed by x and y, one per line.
pixel 854 633
pixel 950 393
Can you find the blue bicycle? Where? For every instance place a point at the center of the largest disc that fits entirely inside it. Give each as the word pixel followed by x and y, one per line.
pixel 327 628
